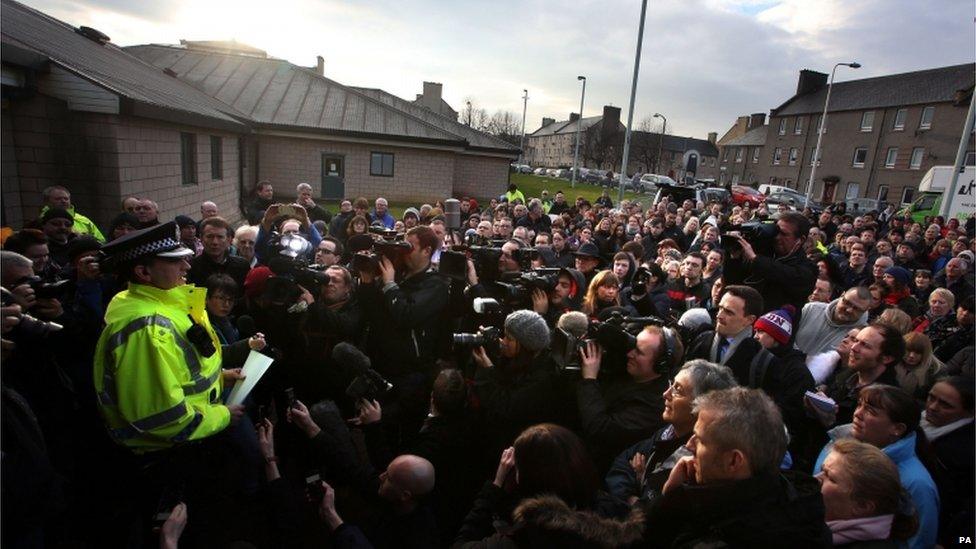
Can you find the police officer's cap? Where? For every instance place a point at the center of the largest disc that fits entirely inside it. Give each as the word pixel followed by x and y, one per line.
pixel 159 241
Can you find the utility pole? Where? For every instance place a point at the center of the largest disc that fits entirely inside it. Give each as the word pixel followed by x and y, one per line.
pixel 633 96
pixel 525 106
pixel 960 158
pixel 579 126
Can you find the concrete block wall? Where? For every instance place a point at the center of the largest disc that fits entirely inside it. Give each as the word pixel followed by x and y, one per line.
pixel 480 177
pixel 149 166
pixel 419 175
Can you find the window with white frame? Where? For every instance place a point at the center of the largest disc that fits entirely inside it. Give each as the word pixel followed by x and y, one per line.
pixel 777 155
pixel 821 127
pixel 918 153
pixel 867 121
pixel 755 155
pixel 798 126
pixel 853 189
pixel 882 193
pixel 860 156
pixel 926 122
pixel 725 155
pixel 907 195
pixel 900 118
pixel 813 151
pixel 738 155
pixel 782 126
pixel 891 157
pixel 735 179
pixel 793 155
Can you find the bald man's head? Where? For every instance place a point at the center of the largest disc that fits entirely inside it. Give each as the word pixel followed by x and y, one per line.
pixel 406 479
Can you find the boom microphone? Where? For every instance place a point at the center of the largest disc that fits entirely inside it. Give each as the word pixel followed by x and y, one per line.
pixel 351 357
pixel 574 323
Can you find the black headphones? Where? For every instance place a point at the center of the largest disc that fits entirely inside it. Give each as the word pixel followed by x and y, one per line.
pixel 663 364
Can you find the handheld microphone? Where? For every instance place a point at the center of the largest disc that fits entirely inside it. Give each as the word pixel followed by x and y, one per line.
pixel 352 358
pixel 452 213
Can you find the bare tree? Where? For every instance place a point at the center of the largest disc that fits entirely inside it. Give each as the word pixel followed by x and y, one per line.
pixel 506 125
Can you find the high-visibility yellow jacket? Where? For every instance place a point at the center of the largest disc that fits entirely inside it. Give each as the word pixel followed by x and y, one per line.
pixel 82 225
pixel 155 390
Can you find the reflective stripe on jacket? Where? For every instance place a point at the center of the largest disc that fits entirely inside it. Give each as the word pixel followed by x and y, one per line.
pixel 154 389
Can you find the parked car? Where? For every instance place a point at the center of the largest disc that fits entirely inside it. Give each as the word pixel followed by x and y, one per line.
pixel 524 168
pixel 595 177
pixel 695 193
pixel 792 198
pixel 649 182
pixel 539 171
pixel 742 194
pixel 564 173
pixel 862 205
pixel 768 189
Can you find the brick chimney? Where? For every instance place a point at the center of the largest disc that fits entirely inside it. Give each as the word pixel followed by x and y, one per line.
pixel 810 81
pixel 611 118
pixel 320 65
pixel 547 121
pixel 432 92
pixel 573 117
pixel 712 137
pixel 757 119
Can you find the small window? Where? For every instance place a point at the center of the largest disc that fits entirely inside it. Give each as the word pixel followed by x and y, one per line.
pixel 853 189
pixel 918 153
pixel 792 157
pixel 860 155
pixel 907 195
pixel 926 122
pixel 882 193
pixel 821 127
pixel 813 151
pixel 755 155
pixel 188 158
pixel 216 157
pixel 735 179
pixel 777 155
pixel 891 157
pixel 798 126
pixel 738 155
pixel 867 121
pixel 782 126
pixel 725 155
pixel 381 164
pixel 900 117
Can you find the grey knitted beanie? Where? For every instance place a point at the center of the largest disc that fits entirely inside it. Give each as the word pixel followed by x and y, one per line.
pixel 529 329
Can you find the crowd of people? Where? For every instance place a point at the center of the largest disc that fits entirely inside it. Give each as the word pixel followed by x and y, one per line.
pixel 511 372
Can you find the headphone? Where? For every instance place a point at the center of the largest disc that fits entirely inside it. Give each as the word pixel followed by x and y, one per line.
pixel 663 364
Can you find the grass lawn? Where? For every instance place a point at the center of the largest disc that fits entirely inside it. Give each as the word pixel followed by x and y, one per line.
pixel 532 186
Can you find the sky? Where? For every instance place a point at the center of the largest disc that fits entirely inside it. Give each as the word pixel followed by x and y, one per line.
pixel 704 62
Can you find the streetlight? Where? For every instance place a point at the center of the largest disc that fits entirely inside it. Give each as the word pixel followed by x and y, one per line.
pixel 525 105
pixel 823 126
pixel 469 112
pixel 579 124
pixel 660 142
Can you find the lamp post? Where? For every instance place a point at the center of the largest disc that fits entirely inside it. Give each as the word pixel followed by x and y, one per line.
pixel 660 142
pixel 823 126
pixel 579 125
pixel 525 105
pixel 469 113
pixel 633 96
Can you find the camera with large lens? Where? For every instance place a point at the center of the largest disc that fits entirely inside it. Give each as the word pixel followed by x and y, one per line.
pixel 617 335
pixel 289 262
pixel 390 245
pixel 759 234
pixel 639 283
pixel 50 290
pixel 485 259
pixel 518 286
pixel 484 337
pixel 28 325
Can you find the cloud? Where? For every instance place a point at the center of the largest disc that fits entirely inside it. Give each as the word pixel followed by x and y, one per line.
pixel 704 62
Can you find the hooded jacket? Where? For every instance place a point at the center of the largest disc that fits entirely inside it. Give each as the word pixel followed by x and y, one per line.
pixel 817 332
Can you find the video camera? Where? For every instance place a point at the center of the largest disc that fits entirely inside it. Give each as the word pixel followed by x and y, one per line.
pixel 617 335
pixel 759 234
pixel 518 286
pixel 391 246
pixel 289 262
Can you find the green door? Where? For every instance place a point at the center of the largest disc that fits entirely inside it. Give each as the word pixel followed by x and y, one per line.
pixel 333 174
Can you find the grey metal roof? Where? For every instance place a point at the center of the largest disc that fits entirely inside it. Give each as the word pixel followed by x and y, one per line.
pixel 275 93
pixel 110 67
pixel 756 137
pixel 911 88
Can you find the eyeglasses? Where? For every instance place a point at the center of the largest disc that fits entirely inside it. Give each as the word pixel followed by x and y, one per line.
pixel 676 390
pixel 225 298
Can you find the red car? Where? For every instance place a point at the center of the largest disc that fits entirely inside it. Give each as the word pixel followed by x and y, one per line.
pixel 742 194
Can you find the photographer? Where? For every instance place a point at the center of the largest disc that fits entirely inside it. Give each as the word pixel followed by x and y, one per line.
pixel 519 391
pixel 618 411
pixel 567 295
pixel 787 277
pixel 405 313
pixel 648 292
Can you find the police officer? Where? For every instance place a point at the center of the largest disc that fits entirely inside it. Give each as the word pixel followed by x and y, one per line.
pixel 157 365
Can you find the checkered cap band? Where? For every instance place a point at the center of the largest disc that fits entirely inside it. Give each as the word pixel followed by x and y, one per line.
pixel 149 248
